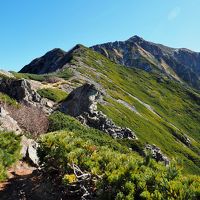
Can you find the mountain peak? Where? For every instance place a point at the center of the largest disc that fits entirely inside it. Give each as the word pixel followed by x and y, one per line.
pixel 135 38
pixel 179 64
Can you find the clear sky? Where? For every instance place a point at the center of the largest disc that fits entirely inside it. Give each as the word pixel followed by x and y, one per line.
pixel 30 28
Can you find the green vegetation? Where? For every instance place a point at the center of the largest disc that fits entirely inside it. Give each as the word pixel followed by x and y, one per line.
pixel 65 73
pixel 9 151
pixel 35 77
pixel 176 107
pixel 112 174
pixel 53 94
pixel 5 99
pixel 59 121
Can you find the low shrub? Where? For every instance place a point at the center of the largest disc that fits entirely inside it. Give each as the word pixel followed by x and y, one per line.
pixel 65 73
pixel 53 94
pixel 35 77
pixel 9 151
pixel 6 100
pixel 60 121
pixel 99 172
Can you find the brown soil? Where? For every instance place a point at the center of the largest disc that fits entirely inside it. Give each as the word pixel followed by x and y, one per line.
pixel 27 183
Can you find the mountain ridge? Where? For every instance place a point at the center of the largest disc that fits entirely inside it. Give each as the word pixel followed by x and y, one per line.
pixel 102 121
pixel 179 63
pixel 146 102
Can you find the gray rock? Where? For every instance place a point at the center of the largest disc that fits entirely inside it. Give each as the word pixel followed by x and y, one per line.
pixel 7 123
pixel 29 150
pixel 157 154
pixel 82 103
pixel 22 91
pixel 82 99
pixel 19 90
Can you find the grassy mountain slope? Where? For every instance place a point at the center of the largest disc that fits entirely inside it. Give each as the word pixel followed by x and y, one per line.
pixel 174 109
pixel 159 110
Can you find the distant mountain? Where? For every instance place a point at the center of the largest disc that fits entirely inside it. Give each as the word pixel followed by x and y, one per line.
pixel 50 62
pixel 181 64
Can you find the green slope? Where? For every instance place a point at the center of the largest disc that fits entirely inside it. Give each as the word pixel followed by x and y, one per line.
pixel 113 171
pixel 176 107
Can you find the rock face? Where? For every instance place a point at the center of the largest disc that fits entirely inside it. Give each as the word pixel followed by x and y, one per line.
pixel 19 90
pixel 157 154
pixel 7 123
pixel 82 103
pixel 22 91
pixel 181 64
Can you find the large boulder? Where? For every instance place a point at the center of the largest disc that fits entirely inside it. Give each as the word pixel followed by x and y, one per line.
pixel 82 99
pixel 29 150
pixel 82 104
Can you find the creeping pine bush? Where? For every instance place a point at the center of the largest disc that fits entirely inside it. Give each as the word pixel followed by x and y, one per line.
pixel 116 175
pixel 35 77
pixel 53 94
pixel 60 121
pixel 9 151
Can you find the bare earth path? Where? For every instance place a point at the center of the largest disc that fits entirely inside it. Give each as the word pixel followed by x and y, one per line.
pixel 26 183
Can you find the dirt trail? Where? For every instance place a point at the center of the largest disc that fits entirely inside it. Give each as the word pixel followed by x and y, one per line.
pixel 26 183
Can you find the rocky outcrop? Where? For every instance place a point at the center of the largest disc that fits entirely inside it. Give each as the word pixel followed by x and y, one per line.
pixel 29 150
pixel 157 154
pixel 22 91
pixel 82 99
pixel 19 90
pixel 7 123
pixel 100 121
pixel 82 103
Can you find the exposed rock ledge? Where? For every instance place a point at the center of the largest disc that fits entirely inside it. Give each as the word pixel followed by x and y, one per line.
pixel 82 103
pixel 22 91
pixel 157 154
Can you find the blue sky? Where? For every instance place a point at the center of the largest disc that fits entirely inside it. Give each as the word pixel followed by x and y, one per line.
pixel 28 29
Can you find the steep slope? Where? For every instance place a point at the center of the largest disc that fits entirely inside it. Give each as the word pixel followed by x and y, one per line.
pixel 159 110
pixel 181 64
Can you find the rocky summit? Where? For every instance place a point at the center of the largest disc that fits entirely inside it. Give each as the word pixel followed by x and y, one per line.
pixel 118 120
pixel 181 64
